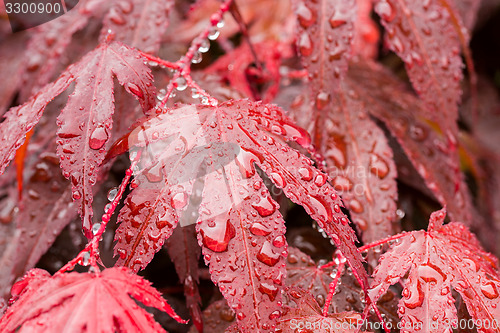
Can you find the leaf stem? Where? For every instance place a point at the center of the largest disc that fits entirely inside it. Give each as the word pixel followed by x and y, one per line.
pixel 380 242
pixel 91 250
pixel 333 285
pixel 182 67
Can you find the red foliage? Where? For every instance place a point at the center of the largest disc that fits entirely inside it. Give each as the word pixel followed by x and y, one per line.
pixel 216 168
pixel 83 302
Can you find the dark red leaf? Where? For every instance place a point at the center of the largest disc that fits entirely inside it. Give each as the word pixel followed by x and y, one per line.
pixel 441 258
pixel 49 195
pixel 326 30
pixel 360 163
pixel 138 23
pixel 184 251
pixel 306 316
pixel 239 226
pixel 46 46
pixel 388 100
pixel 423 36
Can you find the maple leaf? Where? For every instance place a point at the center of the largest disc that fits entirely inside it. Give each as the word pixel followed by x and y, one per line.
pixel 306 316
pixel 138 23
pixel 358 156
pixel 438 259
pixel 49 194
pixel 466 9
pixel 326 31
pixel 45 48
pixel 315 278
pixel 216 318
pixel 239 226
pixel 361 165
pixel 86 121
pixel 184 251
pixel 367 35
pixel 241 59
pixel 422 35
pixel 387 99
pixel 83 302
pixel 11 66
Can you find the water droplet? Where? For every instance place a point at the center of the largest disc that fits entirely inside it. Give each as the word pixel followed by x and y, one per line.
pixel 385 10
pixel 356 206
pixel 489 290
pixel 217 238
pixel 126 6
pixel 227 315
pixel 134 89
pixel 267 256
pixel 86 259
pixel 98 138
pixel 279 241
pixel 378 166
pixel 259 229
pixel 112 193
pixel 95 228
pixel 418 133
pixel 445 290
pixel 179 200
pixel 122 253
pixel 245 160
pixel 76 195
pixel 180 83
pixel 337 152
pixel 274 315
pixel 277 179
pixel 269 289
pixel 298 134
pixel 213 33
pixel 305 173
pixel 305 15
pixel 361 223
pixel 322 208
pixel 305 44
pixel 163 220
pixel 341 183
pixel 265 206
pixel 320 299
pixel 322 100
pixel 336 20
pixel 34 195
pixel 116 17
pixel 398 46
pixel 197 58
pixel 320 179
pixel 204 46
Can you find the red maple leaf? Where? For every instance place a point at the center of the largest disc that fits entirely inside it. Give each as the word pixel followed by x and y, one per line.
pixel 239 225
pixel 441 258
pixel 83 302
